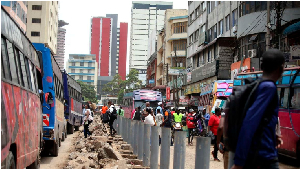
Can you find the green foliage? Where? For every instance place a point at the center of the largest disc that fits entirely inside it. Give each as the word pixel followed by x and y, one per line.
pixel 88 92
pixel 117 86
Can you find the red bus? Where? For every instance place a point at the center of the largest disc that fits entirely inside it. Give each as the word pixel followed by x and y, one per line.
pixel 288 88
pixel 21 113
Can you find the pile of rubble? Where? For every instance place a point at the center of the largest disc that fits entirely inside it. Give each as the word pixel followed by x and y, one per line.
pixel 99 151
pixel 93 152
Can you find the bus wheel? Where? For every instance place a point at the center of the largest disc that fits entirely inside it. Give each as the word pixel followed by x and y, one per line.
pixel 59 142
pixel 76 128
pixel 11 161
pixel 55 147
pixel 63 137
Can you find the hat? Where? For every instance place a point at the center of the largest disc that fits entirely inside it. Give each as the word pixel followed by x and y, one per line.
pixel 159 103
pixel 191 110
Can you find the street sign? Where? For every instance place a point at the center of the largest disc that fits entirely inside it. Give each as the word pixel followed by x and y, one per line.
pixel 168 93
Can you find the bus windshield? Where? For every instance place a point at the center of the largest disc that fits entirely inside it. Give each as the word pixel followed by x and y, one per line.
pixel 142 103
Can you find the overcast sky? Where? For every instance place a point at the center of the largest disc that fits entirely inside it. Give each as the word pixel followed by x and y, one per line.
pixel 79 13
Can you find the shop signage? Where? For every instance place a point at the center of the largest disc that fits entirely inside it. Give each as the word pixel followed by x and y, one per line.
pixel 206 71
pixel 151 81
pixel 235 67
pixel 168 93
pixel 295 52
pixel 207 85
pixel 189 77
pixel 184 100
pixel 195 100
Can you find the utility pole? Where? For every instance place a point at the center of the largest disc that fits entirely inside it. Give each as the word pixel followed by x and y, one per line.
pixel 268 27
pixel 278 23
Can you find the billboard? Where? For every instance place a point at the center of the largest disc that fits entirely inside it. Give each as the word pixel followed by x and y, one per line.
pixel 168 93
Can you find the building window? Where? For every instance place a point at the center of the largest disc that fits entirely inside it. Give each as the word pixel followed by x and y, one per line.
pixel 196 35
pixel 191 17
pixel 208 7
pixel 80 77
pixel 203 5
pixel 73 64
pixel 221 27
pixel 81 70
pixel 35 33
pixel 208 55
pixel 227 24
pixel 89 71
pixel 197 11
pixel 179 27
pixel 191 39
pixel 89 77
pixel 36 7
pixel 81 63
pixel 234 16
pixel 72 70
pixel 179 45
pixel 73 77
pixel 215 31
pixel 36 20
pixel 215 51
pixel 90 64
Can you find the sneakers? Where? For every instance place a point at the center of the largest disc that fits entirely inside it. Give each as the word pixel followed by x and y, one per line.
pixel 217 159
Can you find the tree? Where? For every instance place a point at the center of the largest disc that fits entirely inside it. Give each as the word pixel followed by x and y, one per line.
pixel 88 92
pixel 117 86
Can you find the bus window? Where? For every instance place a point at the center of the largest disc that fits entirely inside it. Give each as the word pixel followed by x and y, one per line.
pixel 4 60
pixel 295 98
pixel 28 73
pixel 19 67
pixel 23 68
pixel 285 97
pixel 32 76
pixel 12 62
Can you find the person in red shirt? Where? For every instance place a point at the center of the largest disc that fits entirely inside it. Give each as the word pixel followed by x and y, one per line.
pixel 190 122
pixel 213 125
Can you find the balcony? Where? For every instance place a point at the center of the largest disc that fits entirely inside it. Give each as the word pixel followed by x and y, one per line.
pixel 179 53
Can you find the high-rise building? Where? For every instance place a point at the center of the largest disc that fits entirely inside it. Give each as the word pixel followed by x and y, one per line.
pixel 145 16
pixel 109 44
pixel 42 23
pixel 60 51
pixel 18 11
pixel 122 50
pixel 83 67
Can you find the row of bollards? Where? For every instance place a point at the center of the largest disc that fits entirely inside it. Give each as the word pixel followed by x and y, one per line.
pixel 144 140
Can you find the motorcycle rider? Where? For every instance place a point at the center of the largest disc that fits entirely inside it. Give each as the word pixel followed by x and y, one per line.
pixel 178 117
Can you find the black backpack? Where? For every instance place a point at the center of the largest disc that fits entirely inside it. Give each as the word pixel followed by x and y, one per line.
pixel 137 115
pixel 114 114
pixel 239 102
pixel 106 117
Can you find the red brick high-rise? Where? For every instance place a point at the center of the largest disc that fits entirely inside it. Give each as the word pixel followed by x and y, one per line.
pixel 123 34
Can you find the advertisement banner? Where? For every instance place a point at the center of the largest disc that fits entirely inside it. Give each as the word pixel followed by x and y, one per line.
pixel 235 67
pixel 295 52
pixel 189 77
pixel 184 100
pixel 168 93
pixel 151 81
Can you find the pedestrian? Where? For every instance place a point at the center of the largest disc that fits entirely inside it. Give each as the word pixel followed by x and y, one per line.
pixel 159 108
pixel 258 142
pixel 86 122
pixel 221 147
pixel 112 117
pixel 168 121
pixel 178 116
pixel 206 117
pixel 159 120
pixel 132 113
pixel 137 114
pixel 149 119
pixel 121 111
pixel 190 121
pixel 104 109
pixel 213 125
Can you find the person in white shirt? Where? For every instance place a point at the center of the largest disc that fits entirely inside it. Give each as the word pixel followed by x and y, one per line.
pixel 149 120
pixel 86 122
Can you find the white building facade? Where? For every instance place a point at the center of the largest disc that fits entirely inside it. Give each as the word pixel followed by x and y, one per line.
pixel 145 17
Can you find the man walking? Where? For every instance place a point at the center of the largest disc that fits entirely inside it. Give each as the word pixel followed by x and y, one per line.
pixel 213 125
pixel 190 121
pixel 86 122
pixel 257 142
pixel 121 111
pixel 112 117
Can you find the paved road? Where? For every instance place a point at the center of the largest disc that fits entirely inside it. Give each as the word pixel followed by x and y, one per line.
pixel 59 162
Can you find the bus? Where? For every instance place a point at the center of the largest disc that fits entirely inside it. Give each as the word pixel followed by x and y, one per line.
pixel 54 124
pixel 138 98
pixel 21 111
pixel 72 101
pixel 288 88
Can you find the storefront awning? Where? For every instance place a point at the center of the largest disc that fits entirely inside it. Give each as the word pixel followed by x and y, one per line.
pixel 292 28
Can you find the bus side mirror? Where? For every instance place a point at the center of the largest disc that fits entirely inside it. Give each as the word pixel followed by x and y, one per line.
pixel 49 98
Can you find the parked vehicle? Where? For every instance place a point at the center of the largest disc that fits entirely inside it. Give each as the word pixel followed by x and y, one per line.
pixel 288 88
pixel 54 123
pixel 21 111
pixel 72 104
pixel 138 98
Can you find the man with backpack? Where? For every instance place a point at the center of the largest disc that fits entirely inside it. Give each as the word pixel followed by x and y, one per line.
pixel 251 117
pixel 112 117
